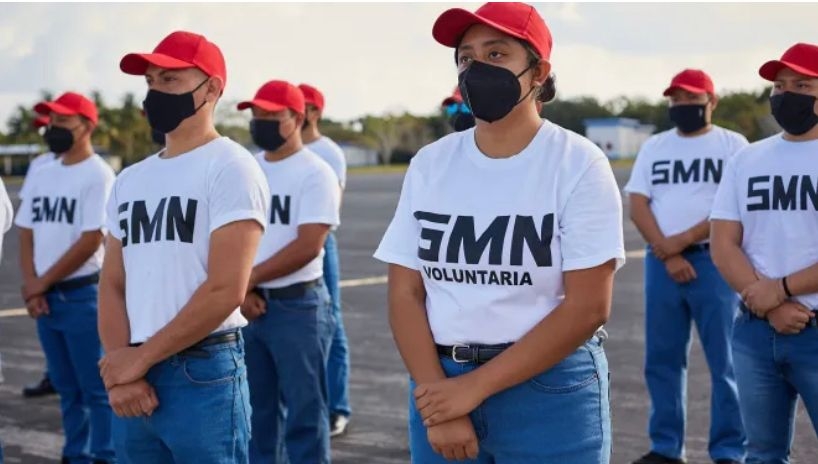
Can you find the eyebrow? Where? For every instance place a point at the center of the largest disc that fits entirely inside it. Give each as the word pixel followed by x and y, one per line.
pixel 487 43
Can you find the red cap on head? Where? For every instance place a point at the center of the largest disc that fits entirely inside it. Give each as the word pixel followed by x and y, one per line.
pixel 691 80
pixel 801 58
pixel 455 97
pixel 40 121
pixel 69 104
pixel 518 20
pixel 277 96
pixel 179 50
pixel 312 96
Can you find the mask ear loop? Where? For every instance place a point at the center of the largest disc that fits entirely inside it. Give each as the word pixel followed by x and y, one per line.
pixel 197 88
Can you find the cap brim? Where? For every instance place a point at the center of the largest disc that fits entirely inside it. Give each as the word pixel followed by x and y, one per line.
pixel 263 104
pixel 452 24
pixel 689 88
pixel 39 122
pixel 450 100
pixel 46 108
pixel 770 69
pixel 137 63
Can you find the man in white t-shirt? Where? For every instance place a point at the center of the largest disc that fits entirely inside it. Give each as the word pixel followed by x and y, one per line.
pixel 184 226
pixel 6 215
pixel 40 123
pixel 671 189
pixel 291 328
pixel 62 225
pixel 338 364
pixel 764 223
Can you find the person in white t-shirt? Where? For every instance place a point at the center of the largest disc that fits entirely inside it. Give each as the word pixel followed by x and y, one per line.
pixel 6 215
pixel 671 189
pixel 338 363
pixel 184 226
pixel 764 223
pixel 292 325
pixel 40 123
pixel 62 225
pixel 502 254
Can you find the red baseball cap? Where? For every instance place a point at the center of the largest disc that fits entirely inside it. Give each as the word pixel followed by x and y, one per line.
pixel 312 96
pixel 801 58
pixel 518 20
pixel 40 121
pixel 455 97
pixel 277 96
pixel 692 80
pixel 179 50
pixel 69 104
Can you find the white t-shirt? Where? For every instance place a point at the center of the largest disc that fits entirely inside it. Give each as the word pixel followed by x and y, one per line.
pixel 304 191
pixel 493 237
pixel 771 187
pixel 164 210
pixel 35 164
pixel 680 175
pixel 6 214
pixel 60 204
pixel 330 152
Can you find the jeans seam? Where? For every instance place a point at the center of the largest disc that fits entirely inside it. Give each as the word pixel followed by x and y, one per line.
pixel 600 396
pixel 570 388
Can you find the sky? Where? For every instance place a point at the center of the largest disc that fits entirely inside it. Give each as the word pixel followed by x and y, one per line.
pixel 379 58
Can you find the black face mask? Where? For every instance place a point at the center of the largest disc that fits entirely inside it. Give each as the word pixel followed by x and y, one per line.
pixel 794 112
pixel 461 121
pixel 490 91
pixel 158 137
pixel 59 139
pixel 165 111
pixel 688 118
pixel 266 134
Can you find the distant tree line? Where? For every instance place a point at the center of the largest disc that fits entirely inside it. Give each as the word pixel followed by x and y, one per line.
pixel 124 131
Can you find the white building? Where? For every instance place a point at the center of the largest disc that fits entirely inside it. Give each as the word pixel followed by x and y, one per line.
pixel 618 137
pixel 357 155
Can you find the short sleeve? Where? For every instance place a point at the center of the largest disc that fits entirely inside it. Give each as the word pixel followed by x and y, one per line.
pixel 94 204
pixel 400 242
pixel 238 192
pixel 726 203
pixel 639 181
pixel 591 220
pixel 112 212
pixel 319 199
pixel 25 216
pixel 6 211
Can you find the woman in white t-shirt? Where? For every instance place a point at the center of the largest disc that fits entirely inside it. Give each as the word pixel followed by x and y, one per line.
pixel 764 242
pixel 502 253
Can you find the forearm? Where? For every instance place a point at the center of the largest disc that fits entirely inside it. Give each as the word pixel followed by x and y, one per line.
pixel 114 326
pixel 80 252
pixel 413 336
pixel 558 335
pixel 645 222
pixel 733 265
pixel 804 281
pixel 697 233
pixel 288 260
pixel 27 268
pixel 209 306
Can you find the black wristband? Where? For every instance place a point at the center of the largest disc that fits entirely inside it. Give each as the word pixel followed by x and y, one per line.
pixel 786 287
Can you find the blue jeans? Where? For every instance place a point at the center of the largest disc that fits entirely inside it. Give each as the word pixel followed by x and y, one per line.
pixel 203 415
pixel 772 370
pixel 559 416
pixel 287 351
pixel 70 341
pixel 670 310
pixel 338 364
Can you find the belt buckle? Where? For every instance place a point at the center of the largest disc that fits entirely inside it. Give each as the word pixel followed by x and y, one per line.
pixel 454 354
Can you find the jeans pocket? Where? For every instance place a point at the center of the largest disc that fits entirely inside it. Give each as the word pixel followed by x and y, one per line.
pixel 221 367
pixel 573 373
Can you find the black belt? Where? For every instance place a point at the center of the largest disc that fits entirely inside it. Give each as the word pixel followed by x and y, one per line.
pixel 697 248
pixel 215 339
pixel 291 291
pixel 73 284
pixel 477 354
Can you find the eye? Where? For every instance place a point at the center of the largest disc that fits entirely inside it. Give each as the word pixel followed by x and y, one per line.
pixel 495 55
pixel 464 59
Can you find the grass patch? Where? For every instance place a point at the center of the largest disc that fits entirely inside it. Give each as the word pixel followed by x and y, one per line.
pixel 379 169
